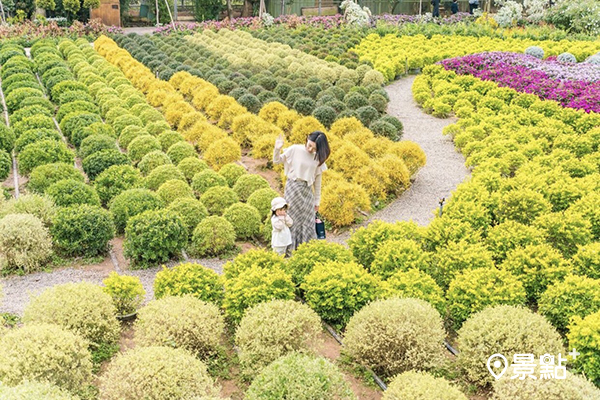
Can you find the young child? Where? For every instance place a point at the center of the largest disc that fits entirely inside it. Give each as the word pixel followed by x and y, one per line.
pixel 281 237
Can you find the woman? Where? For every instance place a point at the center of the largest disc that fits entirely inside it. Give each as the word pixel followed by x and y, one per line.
pixel 303 166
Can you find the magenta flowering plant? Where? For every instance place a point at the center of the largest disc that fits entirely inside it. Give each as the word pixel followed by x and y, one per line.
pixel 572 85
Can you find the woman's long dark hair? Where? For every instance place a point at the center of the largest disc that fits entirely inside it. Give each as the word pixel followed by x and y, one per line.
pixel 323 151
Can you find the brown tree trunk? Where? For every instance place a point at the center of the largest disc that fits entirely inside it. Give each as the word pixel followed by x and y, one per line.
pixel 229 10
pixel 247 10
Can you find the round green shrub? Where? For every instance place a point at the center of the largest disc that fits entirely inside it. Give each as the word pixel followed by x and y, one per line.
pixel 161 174
pixel 35 391
pixel 335 290
pixel 74 124
pixel 522 205
pixel 34 204
pixel 24 242
pixel 569 297
pixel 537 266
pixel 129 133
pixel 416 385
pixel 35 135
pixel 120 123
pixel 181 150
pixel 174 189
pixel 416 340
pixel 132 202
pixel 507 330
pixel 206 179
pixel 573 387
pixel 44 152
pixel 142 145
pixel 261 200
pixel 182 322
pixel 565 231
pixel 154 236
pixel 325 114
pixel 587 260
pixel 355 100
pixel 365 241
pixel 45 353
pixel 45 175
pixel 273 329
pixel 76 106
pixel 152 160
pixel 255 286
pixel 300 377
pixel 309 254
pixel 7 138
pixel 384 129
pixel 5 164
pixel 180 376
pixel 190 166
pixel 248 184
pixel 82 308
pixel 71 192
pixel 473 290
pixel 95 143
pixel 245 219
pixel 169 138
pixel 189 279
pixel 190 210
pixel 508 235
pixel 394 121
pixel 94 164
pixel 82 230
pixel 456 257
pixel 414 283
pixel 256 257
pixel 399 255
pixel 14 99
pixel 115 180
pixel 217 199
pixel 231 172
pixel 251 102
pixel 212 237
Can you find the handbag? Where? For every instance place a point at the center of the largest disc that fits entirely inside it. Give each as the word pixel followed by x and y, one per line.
pixel 319 226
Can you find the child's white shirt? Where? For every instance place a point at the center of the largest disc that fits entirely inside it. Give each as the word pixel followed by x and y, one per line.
pixel 281 235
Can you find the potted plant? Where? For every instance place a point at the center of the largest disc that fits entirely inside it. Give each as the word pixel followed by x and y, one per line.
pixel 127 293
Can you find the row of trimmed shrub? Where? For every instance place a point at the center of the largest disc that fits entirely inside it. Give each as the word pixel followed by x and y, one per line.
pixel 272 329
pixel 388 175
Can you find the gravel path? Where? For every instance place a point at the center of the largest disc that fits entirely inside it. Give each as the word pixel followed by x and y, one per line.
pixel 443 172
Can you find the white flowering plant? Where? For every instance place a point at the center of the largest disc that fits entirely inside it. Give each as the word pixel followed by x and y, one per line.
pixel 354 14
pixel 510 13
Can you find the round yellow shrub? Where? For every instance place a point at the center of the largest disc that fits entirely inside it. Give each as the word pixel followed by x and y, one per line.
pixel 412 155
pixel 46 353
pixel 343 126
pixel 286 120
pixel 202 134
pixel 271 111
pixel 82 308
pixel 416 385
pixel 302 128
pixel 156 373
pixel 221 152
pixel 342 200
pixel 396 335
pixel 218 105
pixel 348 159
pixel 273 329
pixel 418 285
pixel 181 321
pixel 397 171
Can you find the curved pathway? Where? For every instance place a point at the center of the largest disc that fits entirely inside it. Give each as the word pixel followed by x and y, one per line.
pixel 443 172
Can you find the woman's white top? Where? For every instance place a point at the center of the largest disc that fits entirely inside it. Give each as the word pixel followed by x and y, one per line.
pixel 281 235
pixel 298 163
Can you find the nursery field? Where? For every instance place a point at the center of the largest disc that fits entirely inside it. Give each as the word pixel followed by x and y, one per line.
pixel 145 163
